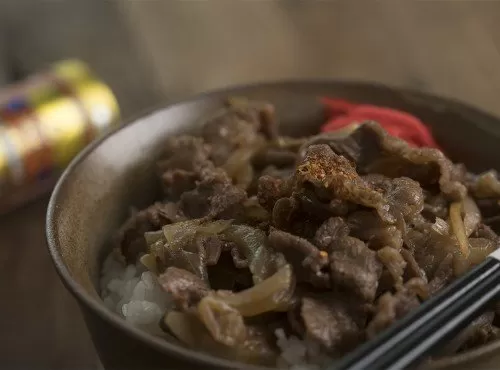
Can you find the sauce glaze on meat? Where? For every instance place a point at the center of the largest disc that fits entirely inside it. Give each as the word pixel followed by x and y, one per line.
pixel 329 238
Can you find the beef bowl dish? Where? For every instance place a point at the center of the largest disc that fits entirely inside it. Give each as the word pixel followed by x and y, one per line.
pixel 264 246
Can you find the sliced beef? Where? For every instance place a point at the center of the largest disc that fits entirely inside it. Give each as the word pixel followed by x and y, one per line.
pixel 435 206
pixel 342 144
pixel 186 288
pixel 180 167
pixel 479 332
pixel 404 195
pixel 309 263
pixel 277 157
pixel 280 173
pixel 391 307
pixel 289 215
pixel 235 127
pixel 375 151
pixel 394 262
pixel 354 267
pixel 215 197
pixel 330 172
pixel 130 237
pixel 329 232
pixel 429 248
pixel 177 181
pixel 331 238
pixel 187 153
pixel 486 185
pixel 368 226
pixel 270 190
pixel 330 322
pixel 486 232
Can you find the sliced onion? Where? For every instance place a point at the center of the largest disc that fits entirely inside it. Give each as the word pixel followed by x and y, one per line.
pixel 223 321
pixel 487 185
pixel 185 327
pixel 472 215
pixel 394 262
pixel 149 261
pixel 457 225
pixel 153 236
pixel 272 294
pixel 252 242
pixel 441 226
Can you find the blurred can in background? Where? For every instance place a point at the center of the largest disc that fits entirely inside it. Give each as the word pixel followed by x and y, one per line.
pixel 45 121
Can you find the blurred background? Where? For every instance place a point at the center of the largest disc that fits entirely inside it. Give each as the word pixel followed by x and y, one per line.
pixel 153 52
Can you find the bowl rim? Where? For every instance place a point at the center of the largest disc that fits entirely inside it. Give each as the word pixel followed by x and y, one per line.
pixel 97 306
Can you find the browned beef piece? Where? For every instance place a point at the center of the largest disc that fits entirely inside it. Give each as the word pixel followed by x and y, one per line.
pixel 309 263
pixel 289 215
pixel 486 185
pixel 319 206
pixel 187 153
pixel 269 190
pixel 348 146
pixel 374 151
pixel 426 165
pixel 391 307
pixel 177 181
pixel 479 332
pixel 329 232
pixel 279 158
pixel 480 336
pixel 354 267
pixel 404 195
pixel 331 322
pixel 429 247
pixel 130 237
pixel 486 232
pixel 334 174
pixel 280 173
pixel 186 288
pixel 368 226
pixel 183 160
pixel 235 127
pixel 435 206
pixel 215 196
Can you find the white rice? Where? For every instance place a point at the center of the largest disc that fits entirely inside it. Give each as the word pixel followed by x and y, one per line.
pixel 135 294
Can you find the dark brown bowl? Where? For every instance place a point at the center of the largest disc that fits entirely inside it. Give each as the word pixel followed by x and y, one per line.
pixel 95 193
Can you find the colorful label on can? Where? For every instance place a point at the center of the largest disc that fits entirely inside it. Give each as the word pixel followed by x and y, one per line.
pixel 12 144
pixel 45 121
pixel 63 123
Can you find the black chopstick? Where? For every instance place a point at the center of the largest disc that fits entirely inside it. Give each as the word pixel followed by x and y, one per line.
pixel 437 320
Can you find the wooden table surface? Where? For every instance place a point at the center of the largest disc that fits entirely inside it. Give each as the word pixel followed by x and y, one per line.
pixel 446 47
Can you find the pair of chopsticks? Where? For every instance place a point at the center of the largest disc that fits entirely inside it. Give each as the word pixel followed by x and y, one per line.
pixel 437 320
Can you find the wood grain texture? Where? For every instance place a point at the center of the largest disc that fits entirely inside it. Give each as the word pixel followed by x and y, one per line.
pixel 157 51
pixel 40 323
